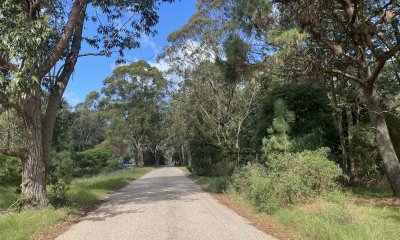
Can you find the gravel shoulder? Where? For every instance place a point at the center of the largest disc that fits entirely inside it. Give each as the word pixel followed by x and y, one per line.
pixel 163 204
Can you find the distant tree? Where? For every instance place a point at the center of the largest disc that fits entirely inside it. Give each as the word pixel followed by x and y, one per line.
pixel 89 123
pixel 135 93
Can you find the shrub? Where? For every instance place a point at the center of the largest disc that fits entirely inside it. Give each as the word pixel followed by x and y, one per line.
pixel 60 176
pixel 112 166
pixel 289 179
pixel 366 154
pixel 92 161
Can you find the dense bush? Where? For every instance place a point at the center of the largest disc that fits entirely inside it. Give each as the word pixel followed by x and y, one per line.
pixel 10 171
pixel 92 161
pixel 366 155
pixel 288 179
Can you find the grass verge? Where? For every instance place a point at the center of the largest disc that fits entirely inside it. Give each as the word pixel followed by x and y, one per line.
pixel 84 193
pixel 352 215
pixel 211 184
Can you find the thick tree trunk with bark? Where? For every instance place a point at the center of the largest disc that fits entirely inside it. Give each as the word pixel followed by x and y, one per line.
pixel 33 166
pixel 385 146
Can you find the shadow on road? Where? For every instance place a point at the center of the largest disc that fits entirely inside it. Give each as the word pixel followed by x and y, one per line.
pixel 148 190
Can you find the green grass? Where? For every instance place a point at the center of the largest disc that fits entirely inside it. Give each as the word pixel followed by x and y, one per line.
pixel 376 192
pixel 23 225
pixel 8 196
pixel 213 184
pixel 84 193
pixel 342 222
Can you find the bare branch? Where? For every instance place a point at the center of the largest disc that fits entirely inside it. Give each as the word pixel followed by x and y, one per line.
pixel 344 74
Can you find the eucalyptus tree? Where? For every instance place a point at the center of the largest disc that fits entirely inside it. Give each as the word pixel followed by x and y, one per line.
pixel 219 82
pixel 340 39
pixel 89 123
pixel 135 93
pixel 39 47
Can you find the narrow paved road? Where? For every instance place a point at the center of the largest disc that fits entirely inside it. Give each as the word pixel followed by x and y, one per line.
pixel 163 205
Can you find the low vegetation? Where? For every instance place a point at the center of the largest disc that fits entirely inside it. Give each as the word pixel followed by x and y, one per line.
pixel 332 215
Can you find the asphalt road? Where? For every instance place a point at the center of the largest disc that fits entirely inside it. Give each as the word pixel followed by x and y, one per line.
pixel 163 205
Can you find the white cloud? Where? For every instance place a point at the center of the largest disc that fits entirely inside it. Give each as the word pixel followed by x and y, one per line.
pixel 146 41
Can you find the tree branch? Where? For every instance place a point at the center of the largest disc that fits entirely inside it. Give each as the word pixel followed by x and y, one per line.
pixel 381 63
pixel 22 153
pixel 4 64
pixel 74 18
pixel 344 74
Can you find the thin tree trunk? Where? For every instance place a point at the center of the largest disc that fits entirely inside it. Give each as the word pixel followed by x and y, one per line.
pixel 350 143
pixel 189 159
pixel 33 167
pixel 183 155
pixel 139 151
pixel 339 123
pixel 390 161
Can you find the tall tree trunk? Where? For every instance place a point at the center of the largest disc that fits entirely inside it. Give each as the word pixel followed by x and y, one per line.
pixel 183 155
pixel 352 169
pixel 189 159
pixel 57 92
pixel 156 157
pixel 33 166
pixel 139 154
pixel 385 146
pixel 339 123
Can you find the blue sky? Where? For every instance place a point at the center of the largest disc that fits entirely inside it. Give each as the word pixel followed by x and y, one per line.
pixel 90 71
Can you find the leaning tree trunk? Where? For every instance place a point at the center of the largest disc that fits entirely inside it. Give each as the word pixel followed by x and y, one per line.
pixel 33 166
pixel 386 150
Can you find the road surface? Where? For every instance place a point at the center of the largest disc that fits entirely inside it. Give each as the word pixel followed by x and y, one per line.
pixel 163 205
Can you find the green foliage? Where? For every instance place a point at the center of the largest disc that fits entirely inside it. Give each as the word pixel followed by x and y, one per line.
pixel 235 65
pixel 289 179
pixel 366 154
pixel 309 141
pixel 10 171
pixel 92 161
pixel 278 140
pixel 60 176
pixel 312 111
